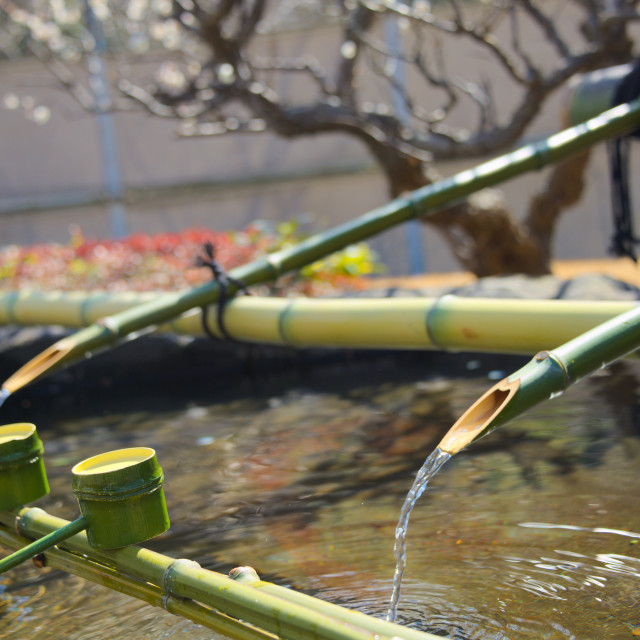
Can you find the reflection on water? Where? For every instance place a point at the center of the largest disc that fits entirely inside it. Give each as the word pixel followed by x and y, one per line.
pixel 570 527
pixel 530 532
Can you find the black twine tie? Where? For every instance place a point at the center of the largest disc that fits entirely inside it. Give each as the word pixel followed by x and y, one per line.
pixel 224 280
pixel 623 240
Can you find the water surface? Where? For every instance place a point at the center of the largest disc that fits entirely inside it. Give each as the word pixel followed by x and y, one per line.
pixel 534 531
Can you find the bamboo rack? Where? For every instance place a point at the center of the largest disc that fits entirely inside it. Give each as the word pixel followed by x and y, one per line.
pixel 245 608
pixel 446 323
pixel 111 329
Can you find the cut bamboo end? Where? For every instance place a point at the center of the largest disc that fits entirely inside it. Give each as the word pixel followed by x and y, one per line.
pixel 39 365
pixel 479 416
pixel 22 474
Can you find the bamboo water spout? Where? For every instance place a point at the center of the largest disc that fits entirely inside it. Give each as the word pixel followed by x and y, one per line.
pixel 547 375
pixel 117 327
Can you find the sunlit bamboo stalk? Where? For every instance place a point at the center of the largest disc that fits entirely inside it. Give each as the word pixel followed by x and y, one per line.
pixel 448 322
pixel 547 375
pixel 114 328
pixel 111 579
pixel 268 607
pixel 42 544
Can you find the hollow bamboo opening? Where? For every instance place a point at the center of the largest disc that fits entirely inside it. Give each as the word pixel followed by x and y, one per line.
pixel 16 431
pixel 113 460
pixel 37 366
pixel 479 416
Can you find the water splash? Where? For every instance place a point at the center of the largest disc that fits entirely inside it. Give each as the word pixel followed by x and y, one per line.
pixel 429 469
pixel 4 394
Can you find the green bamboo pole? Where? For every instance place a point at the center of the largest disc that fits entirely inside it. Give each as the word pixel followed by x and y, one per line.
pixel 448 322
pixel 42 544
pixel 547 375
pixel 111 579
pixel 112 329
pixel 267 607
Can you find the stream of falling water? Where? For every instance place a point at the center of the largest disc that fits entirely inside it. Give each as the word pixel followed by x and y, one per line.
pixel 429 469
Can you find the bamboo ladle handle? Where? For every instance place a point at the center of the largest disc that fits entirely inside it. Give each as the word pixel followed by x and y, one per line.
pixel 42 544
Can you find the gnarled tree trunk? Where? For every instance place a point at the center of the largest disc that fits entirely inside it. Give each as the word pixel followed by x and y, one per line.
pixel 482 232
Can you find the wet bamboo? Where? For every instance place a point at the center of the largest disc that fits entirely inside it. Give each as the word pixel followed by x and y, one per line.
pixel 547 375
pixel 111 579
pixel 448 322
pixel 114 328
pixel 273 609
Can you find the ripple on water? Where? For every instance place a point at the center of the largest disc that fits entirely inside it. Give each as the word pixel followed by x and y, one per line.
pixel 69 607
pixel 308 492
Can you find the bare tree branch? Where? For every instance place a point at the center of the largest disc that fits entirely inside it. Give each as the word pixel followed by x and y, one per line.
pixel 65 77
pixel 359 21
pixel 548 27
pixel 215 79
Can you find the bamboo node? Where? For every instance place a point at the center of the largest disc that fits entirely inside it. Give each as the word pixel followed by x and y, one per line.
pixel 21 520
pixel 431 317
pixel 110 325
pixel 274 262
pixel 167 577
pixel 17 525
pixel 549 355
pixel 244 575
pixel 415 206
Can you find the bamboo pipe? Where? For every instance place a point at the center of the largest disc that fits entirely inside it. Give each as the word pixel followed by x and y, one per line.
pixel 269 607
pixel 547 375
pixel 111 329
pixel 42 544
pixel 108 577
pixel 448 322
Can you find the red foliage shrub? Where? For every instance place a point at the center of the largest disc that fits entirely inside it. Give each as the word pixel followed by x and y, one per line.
pixel 162 261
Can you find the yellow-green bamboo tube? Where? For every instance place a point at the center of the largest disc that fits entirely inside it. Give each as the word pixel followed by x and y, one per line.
pixel 448 323
pixel 384 324
pixel 134 561
pixel 514 325
pixel 66 308
pixel 256 317
pixel 340 613
pixel 268 612
pixel 40 545
pixel 295 620
pixel 107 577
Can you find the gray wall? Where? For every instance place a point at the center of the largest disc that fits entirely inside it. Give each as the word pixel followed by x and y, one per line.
pixel 50 175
